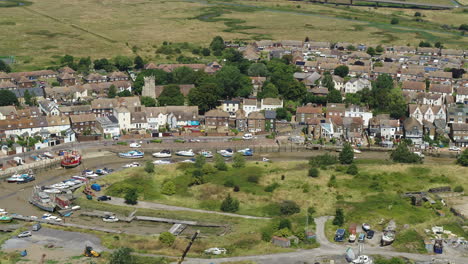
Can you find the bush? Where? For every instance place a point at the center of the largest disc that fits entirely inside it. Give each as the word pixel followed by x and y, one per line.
pixel 230 204
pixel 288 207
pixel 253 178
pixel 458 188
pixel 314 172
pixel 220 164
pixel 403 155
pixel 236 188
pixel 229 183
pixel 238 161
pixel 197 177
pixel 208 169
pixel 332 182
pixel 463 158
pixel 285 223
pixel 339 217
pixel 167 238
pixel 200 160
pixel 121 256
pixel 417 14
pixel 149 167
pixel 352 170
pixel 347 154
pixel 394 21
pixel 131 196
pixel 271 187
pixel 325 160
pixel 168 188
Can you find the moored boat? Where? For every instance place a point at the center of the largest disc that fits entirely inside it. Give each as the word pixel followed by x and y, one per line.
pixel 165 153
pixel 133 154
pixel 227 153
pixel 366 227
pixel 185 153
pixel 71 160
pixel 14 178
pixel 206 153
pixel 246 152
pixel 5 219
pixel 161 162
pixel 389 233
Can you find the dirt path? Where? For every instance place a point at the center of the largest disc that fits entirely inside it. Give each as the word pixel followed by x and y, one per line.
pixel 157 206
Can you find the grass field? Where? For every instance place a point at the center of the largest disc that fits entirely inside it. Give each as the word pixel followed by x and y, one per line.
pixel 37 33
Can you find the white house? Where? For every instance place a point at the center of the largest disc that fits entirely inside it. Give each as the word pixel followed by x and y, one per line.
pixel 138 120
pixel 271 103
pixel 57 124
pixel 156 117
pixel 249 106
pixel 427 112
pixel 230 106
pixel 49 108
pixel 123 117
pixel 108 125
pixel 359 111
pixel 462 95
pixel 355 85
pixel 338 82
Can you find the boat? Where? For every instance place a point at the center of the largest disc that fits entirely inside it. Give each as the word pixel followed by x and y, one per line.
pixel 42 200
pixel 366 227
pixel 131 165
pixel 53 191
pixel 357 151
pixel 48 155
pixel 14 178
pixel 185 153
pixel 161 162
pixel 227 153
pixel 101 172
pixel 188 161
pixel 89 174
pixel 265 159
pixel 5 219
pixel 389 233
pixel 352 238
pixel 110 219
pixel 133 154
pixel 22 178
pixel 246 152
pixel 206 154
pixel 71 160
pixel 26 178
pixel 165 153
pixel 362 259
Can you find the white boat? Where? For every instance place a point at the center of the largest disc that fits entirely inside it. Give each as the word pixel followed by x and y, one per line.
pixel 265 159
pixel 389 233
pixel 14 178
pixel 366 227
pixel 133 154
pixel 89 174
pixel 206 154
pixel 188 161
pixel 131 165
pixel 48 155
pixel 135 145
pixel 246 152
pixel 185 153
pixel 161 162
pixel 226 153
pixel 55 191
pixel 110 219
pixel 363 259
pixel 163 154
pixel 357 151
pixel 352 238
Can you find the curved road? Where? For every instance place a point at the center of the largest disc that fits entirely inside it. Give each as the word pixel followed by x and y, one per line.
pixel 326 249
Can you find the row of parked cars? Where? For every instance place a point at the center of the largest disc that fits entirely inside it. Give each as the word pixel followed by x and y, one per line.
pixel 367 233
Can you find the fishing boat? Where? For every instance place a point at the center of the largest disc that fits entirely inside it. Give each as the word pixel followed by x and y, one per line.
pixel 133 154
pixel 165 153
pixel 161 162
pixel 101 172
pixel 206 154
pixel 71 160
pixel 89 174
pixel 246 152
pixel 14 178
pixel 5 219
pixel 388 235
pixel 42 200
pixel 227 153
pixel 185 153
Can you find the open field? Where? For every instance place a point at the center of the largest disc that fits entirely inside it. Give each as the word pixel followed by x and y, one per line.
pixel 36 34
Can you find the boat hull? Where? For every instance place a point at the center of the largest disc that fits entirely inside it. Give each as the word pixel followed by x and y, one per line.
pixel 43 207
pixel 70 165
pixel 185 155
pixel 6 220
pixel 158 155
pixel 130 157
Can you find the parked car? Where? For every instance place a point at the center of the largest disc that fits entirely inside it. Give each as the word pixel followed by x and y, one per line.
pixel 370 234
pixel 215 251
pixel 25 234
pixel 135 145
pixel 454 148
pixel 339 235
pixel 36 227
pixel 104 198
pixel 194 140
pixel 247 136
pixel 362 238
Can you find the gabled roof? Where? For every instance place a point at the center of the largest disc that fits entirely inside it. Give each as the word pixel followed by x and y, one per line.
pixel 440 88
pixel 414 86
pixel 309 109
pixel 138 117
pixel 272 101
pixel 82 118
pixel 217 113
pixel 256 115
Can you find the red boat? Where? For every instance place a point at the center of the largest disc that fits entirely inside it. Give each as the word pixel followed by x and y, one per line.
pixel 71 160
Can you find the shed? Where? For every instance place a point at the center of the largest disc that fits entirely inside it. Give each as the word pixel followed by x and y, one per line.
pixel 280 241
pixel 310 235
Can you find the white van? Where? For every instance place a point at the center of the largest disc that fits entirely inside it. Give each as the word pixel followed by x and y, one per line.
pixel 247 136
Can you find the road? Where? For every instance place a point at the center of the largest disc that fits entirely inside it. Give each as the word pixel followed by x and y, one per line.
pixel 157 206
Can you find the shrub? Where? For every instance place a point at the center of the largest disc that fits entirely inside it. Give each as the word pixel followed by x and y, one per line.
pixel 229 183
pixel 271 187
pixel 325 160
pixel 230 204
pixel 236 188
pixel 458 188
pixel 463 158
pixel 332 182
pixel 122 143
pixel 253 178
pixel 220 164
pixel 167 238
pixel 394 21
pixel 238 161
pixel 121 255
pixel 131 196
pixel 156 141
pixel 200 160
pixel 168 188
pixel 288 207
pixel 208 169
pixel 149 167
pixel 314 172
pixel 197 177
pixel 403 155
pixel 285 223
pixel 347 154
pixel 352 170
pixel 339 217
pixel 417 14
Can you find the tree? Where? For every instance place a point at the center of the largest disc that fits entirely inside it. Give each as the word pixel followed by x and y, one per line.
pixel 200 161
pixel 84 64
pixel 69 61
pixel 103 64
pixel 183 75
pixel 112 91
pixel 168 188
pixel 402 154
pixel 27 98
pixel 314 172
pixel 148 101
pixel 323 160
pixel 334 96
pixel 288 207
pixel 371 51
pixel 458 188
pixel 205 52
pixel 269 90
pixel 167 238
pixel 379 49
pixel 122 256
pixel 257 69
pixel 283 114
pixel 131 196
pixel 4 67
pixel 341 71
pixel 238 160
pixel 233 82
pixel 417 14
pixel 397 104
pixel 281 75
pixel 327 81
pixel 352 170
pixel 122 63
pixel 217 44
pixel 230 204
pixel 171 95
pixel 149 167
pixel 463 158
pixel 220 164
pixel 438 45
pixel 463 27
pixel 284 223
pixel 424 44
pixel 139 63
pixel 197 177
pixel 347 154
pixel 394 21
pixel 339 217
pixel 206 96
pixel 7 97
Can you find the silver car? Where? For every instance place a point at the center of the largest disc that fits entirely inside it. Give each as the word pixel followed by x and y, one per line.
pixel 25 234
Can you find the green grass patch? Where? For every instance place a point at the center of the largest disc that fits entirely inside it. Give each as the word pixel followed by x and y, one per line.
pixel 123 143
pixel 156 141
pixel 144 184
pixel 410 241
pixel 14 3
